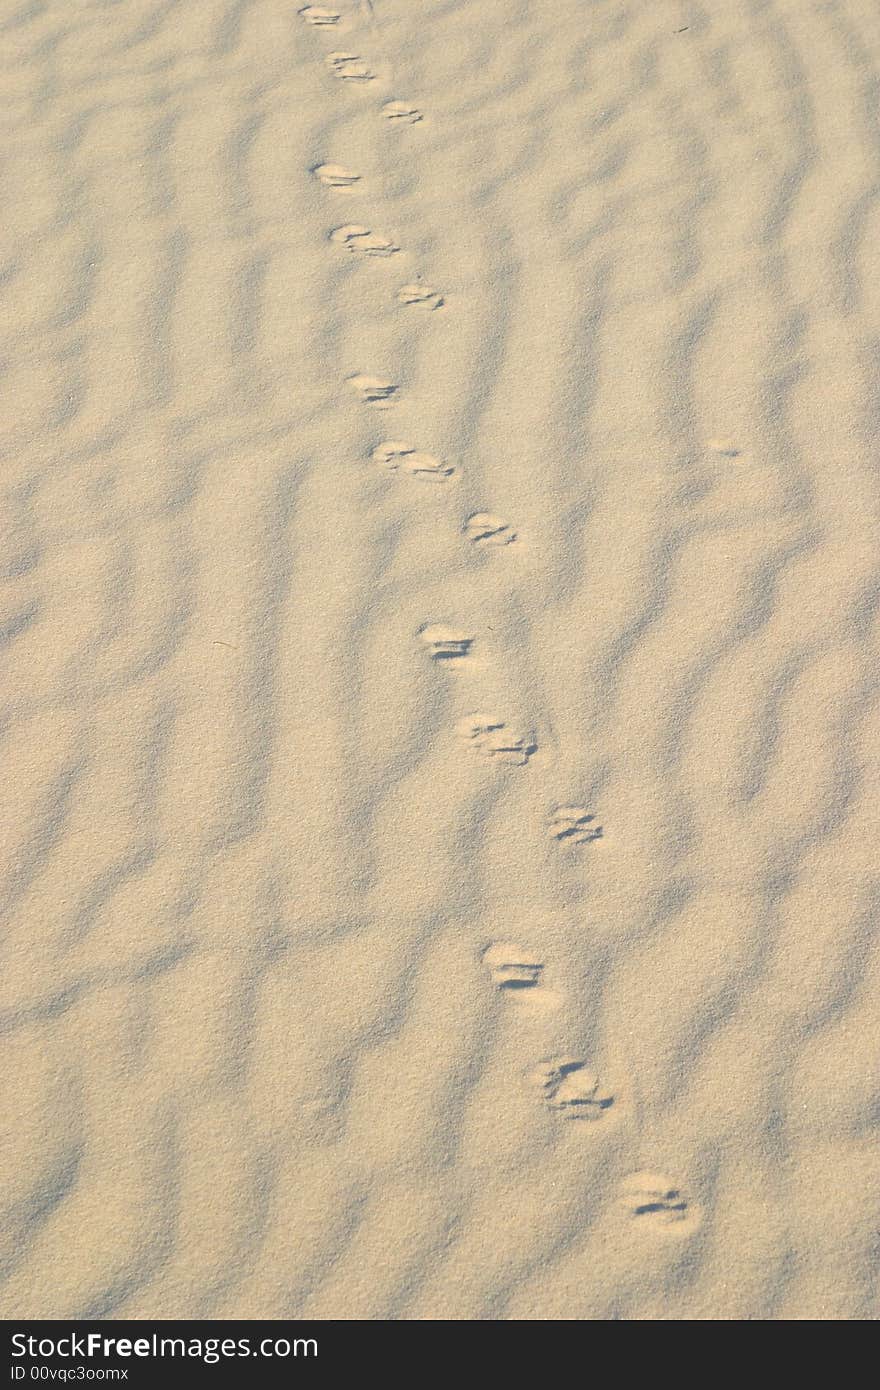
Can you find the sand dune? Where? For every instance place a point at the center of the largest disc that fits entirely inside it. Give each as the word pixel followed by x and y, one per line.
pixel 440 634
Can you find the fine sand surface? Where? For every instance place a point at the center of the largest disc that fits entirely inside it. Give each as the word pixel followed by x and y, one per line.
pixel 440 696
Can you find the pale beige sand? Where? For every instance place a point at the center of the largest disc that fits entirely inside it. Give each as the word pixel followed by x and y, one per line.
pixel 261 828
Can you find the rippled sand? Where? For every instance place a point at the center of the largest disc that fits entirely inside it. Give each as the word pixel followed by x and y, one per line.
pixel 440 719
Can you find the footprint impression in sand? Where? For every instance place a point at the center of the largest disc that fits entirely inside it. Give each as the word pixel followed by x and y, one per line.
pixel 655 1200
pixel 513 967
pixel 373 390
pixel 317 15
pixel 485 529
pixel 568 1085
pixel 335 176
pixel 402 112
pixel 445 643
pixel 497 741
pixel 394 455
pixel 420 294
pixel 361 241
pixel 350 67
pixel 573 825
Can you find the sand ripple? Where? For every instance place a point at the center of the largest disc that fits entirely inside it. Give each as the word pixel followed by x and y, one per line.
pixel 255 1064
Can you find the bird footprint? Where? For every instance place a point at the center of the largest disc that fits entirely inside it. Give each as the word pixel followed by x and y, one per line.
pixel 567 1084
pixel 655 1197
pixel 497 740
pixel 485 529
pixel 574 825
pixel 362 242
pixel 373 390
pixel 349 66
pixel 402 111
pixel 335 175
pixel 315 14
pixel 395 454
pixel 512 967
pixel 445 643
pixel 420 294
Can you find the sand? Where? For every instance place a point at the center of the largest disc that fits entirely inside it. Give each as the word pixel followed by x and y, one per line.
pixel 440 632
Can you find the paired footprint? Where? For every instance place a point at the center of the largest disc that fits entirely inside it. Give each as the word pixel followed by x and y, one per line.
pixel 373 390
pixel 403 112
pixel 420 294
pixel 350 67
pixel 361 241
pixel 494 739
pixel 574 825
pixel 320 17
pixel 335 176
pixel 513 967
pixel 655 1199
pixel 445 643
pixel 485 529
pixel 396 455
pixel 567 1084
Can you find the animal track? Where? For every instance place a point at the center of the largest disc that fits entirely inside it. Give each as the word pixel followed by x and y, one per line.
pixel 567 1084
pixel 655 1198
pixel 485 529
pixel 349 66
pixel 574 825
pixel 496 740
pixel 315 14
pixel 420 294
pixel 402 111
pixel 445 643
pixel 512 967
pixel 394 454
pixel 335 176
pixel 373 390
pixel 362 242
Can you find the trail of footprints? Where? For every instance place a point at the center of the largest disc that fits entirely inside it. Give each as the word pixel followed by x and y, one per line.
pixel 567 1086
